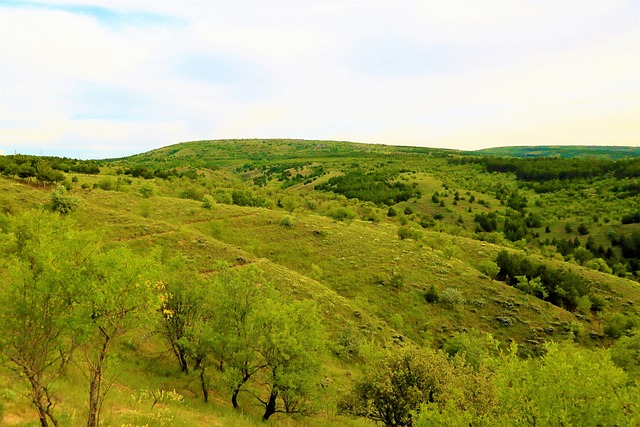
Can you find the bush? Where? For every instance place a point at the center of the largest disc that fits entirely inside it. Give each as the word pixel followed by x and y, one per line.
pixel 61 201
pixel 409 233
pixel 146 190
pixel 286 221
pixel 341 214
pixel 432 295
pixel 451 297
pixel 208 201
pixel 106 184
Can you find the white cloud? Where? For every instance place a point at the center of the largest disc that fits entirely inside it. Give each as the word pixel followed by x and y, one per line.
pixel 129 76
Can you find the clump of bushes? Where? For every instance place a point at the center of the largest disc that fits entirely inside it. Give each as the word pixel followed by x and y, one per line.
pixel 61 201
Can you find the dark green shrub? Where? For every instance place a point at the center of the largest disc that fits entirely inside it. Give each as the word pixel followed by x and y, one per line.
pixel 432 295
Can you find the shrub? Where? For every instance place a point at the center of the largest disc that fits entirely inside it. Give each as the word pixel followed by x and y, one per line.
pixel 106 184
pixel 146 190
pixel 286 221
pixel 432 295
pixel 61 201
pixel 451 297
pixel 208 201
pixel 341 214
pixel 405 232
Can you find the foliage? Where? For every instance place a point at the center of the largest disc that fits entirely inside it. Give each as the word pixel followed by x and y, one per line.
pixel 432 295
pixel 61 201
pixel 561 287
pixel 395 386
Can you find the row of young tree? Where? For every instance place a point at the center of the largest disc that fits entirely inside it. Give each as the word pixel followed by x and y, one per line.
pixel 67 301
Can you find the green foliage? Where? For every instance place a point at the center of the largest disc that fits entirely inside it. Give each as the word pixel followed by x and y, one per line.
pixel 406 232
pixel 61 201
pixel 562 287
pixel 377 187
pixel 451 297
pixel 432 295
pixel 208 201
pixel 620 324
pixel 587 390
pixel 287 221
pixel 342 213
pixel 489 268
pixel 395 386
pixel 146 190
pixel 625 353
pixel 533 287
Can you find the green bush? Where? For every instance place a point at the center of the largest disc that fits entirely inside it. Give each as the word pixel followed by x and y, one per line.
pixel 286 221
pixel 208 201
pixel 432 295
pixel 61 201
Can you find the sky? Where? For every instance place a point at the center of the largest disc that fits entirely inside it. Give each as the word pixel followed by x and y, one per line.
pixel 109 78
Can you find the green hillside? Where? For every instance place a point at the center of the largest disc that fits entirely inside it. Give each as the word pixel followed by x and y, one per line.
pixel 328 260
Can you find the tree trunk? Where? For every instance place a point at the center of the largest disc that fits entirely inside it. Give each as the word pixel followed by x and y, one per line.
pixel 42 402
pixel 234 398
pixel 270 407
pixel 205 390
pixel 236 391
pixel 95 387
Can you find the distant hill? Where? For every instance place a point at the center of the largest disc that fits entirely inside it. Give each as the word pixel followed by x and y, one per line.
pixel 563 151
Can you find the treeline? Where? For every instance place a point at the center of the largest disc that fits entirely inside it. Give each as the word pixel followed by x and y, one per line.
pixel 45 169
pixel 560 287
pixel 377 187
pixel 550 169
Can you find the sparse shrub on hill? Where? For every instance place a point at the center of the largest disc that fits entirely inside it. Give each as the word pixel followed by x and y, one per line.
pixel 406 232
pixel 208 201
pixel 61 201
pixel 432 295
pixel 287 221
pixel 451 297
pixel 146 190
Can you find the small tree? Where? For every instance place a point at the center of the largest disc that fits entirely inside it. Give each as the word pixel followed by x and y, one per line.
pixel 116 294
pixel 394 387
pixel 40 263
pixel 61 201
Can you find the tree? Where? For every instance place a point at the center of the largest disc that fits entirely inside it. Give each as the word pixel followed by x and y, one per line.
pixel 290 345
pixel 395 386
pixel 40 263
pixel 184 307
pixel 117 293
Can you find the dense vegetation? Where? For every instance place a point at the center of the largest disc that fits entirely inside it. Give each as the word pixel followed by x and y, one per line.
pixel 319 283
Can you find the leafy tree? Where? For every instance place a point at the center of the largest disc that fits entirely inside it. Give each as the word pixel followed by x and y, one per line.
pixel 40 262
pixel 395 386
pixel 183 308
pixel 118 291
pixel 625 353
pixel 290 346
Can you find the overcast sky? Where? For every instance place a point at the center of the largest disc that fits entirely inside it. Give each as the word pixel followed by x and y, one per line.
pixel 106 78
